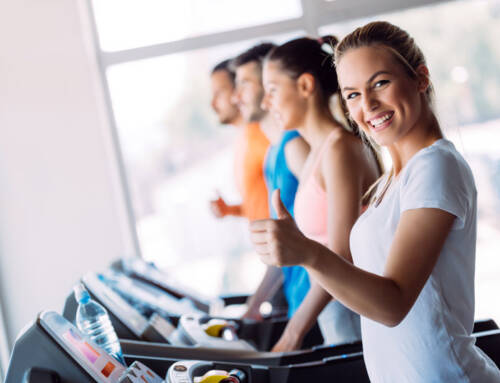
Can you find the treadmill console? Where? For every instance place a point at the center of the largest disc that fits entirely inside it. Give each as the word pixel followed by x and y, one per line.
pixel 115 304
pixel 94 360
pixel 156 329
pixel 146 297
pixel 138 268
pixel 52 349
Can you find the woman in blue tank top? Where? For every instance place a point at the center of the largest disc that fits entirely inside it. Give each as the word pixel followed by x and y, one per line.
pixel 278 176
pixel 282 165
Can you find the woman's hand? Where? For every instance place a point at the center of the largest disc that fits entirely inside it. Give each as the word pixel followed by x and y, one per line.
pixel 253 315
pixel 289 341
pixel 219 207
pixel 279 242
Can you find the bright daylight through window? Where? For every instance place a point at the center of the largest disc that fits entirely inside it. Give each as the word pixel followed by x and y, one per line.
pixel 177 155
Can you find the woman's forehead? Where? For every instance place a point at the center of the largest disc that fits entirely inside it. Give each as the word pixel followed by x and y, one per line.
pixel 359 64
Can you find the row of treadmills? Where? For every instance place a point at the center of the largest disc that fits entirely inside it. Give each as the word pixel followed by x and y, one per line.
pixel 170 334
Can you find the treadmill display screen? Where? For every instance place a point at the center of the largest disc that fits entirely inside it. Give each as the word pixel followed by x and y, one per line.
pixel 81 345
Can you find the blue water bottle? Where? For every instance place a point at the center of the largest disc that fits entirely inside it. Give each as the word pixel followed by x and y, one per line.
pixel 92 319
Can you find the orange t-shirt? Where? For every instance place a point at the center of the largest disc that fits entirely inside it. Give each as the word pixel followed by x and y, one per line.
pixel 249 171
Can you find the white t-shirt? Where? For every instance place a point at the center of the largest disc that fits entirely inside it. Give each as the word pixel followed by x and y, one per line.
pixel 433 342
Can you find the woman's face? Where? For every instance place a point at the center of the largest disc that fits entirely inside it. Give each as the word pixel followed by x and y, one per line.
pixel 282 98
pixel 379 94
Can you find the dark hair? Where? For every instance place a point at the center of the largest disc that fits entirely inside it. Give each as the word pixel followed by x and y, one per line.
pixel 227 67
pixel 255 54
pixel 307 55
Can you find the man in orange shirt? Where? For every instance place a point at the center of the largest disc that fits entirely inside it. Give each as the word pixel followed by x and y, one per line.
pixel 253 145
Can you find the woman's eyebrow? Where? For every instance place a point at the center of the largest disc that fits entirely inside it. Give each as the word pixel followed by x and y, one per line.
pixel 369 80
pixel 376 74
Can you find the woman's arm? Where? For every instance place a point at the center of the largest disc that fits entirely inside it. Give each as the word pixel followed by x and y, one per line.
pixel 303 319
pixel 221 209
pixel 342 174
pixel 387 299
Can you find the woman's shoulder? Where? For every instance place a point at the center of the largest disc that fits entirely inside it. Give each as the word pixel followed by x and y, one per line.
pixel 344 153
pixel 440 159
pixel 343 141
pixel 439 167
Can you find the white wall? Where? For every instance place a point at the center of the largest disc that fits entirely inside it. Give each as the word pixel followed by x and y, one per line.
pixel 62 211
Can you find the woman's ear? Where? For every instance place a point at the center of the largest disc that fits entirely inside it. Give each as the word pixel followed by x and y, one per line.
pixel 423 78
pixel 306 84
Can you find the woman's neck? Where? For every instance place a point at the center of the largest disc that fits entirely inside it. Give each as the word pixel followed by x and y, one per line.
pixel 270 128
pixel 317 125
pixel 425 132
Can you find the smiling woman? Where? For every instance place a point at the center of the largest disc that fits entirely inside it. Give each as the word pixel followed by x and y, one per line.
pixel 414 251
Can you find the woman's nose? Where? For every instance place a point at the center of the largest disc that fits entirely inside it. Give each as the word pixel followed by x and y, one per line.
pixel 370 102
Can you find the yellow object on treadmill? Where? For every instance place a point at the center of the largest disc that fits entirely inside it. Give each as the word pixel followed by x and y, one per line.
pixel 212 376
pixel 214 327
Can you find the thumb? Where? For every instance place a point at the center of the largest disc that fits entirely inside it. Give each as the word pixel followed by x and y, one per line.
pixel 280 209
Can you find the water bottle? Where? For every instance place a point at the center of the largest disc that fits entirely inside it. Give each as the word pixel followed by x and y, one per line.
pixel 93 320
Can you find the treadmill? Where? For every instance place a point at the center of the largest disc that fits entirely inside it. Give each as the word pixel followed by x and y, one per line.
pixel 52 350
pixel 149 274
pixel 154 306
pixel 190 342
pixel 139 269
pixel 157 337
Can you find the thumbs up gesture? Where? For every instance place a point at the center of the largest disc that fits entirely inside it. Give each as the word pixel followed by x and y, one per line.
pixel 279 208
pixel 279 242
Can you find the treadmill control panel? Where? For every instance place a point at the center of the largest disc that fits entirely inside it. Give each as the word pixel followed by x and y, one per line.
pixel 94 360
pixel 148 295
pixel 139 373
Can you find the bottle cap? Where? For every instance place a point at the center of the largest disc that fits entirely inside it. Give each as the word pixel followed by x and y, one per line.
pixel 81 294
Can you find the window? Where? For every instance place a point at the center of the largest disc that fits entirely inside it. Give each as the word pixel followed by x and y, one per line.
pixel 177 156
pixel 126 24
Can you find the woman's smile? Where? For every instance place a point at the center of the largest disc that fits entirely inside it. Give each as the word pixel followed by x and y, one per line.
pixel 381 121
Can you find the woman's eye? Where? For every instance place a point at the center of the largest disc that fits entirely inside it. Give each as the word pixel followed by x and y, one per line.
pixel 350 96
pixel 380 83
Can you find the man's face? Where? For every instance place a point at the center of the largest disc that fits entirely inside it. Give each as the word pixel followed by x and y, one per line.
pixel 222 97
pixel 249 91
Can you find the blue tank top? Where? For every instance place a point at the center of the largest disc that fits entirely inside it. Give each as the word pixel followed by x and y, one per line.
pixel 278 176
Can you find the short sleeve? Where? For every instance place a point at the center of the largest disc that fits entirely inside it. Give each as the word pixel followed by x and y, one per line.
pixel 437 179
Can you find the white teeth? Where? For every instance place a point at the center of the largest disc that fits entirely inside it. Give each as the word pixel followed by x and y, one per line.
pixel 376 122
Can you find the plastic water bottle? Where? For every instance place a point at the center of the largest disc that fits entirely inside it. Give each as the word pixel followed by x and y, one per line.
pixel 92 319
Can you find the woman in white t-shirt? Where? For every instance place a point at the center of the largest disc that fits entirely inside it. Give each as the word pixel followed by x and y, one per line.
pixel 414 247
